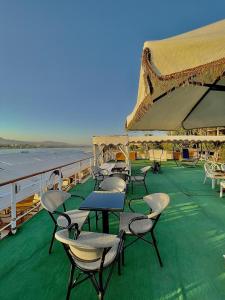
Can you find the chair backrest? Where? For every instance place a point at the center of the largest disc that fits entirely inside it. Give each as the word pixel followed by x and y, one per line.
pixel 81 251
pixel 51 200
pixel 157 203
pixel 144 170
pixel 215 167
pixel 222 167
pixel 97 171
pixel 210 168
pixel 114 184
pixel 207 168
pixel 123 176
pixel 94 170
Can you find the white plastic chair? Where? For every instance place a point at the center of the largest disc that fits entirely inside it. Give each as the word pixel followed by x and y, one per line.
pixel 98 175
pixel 222 167
pixel 222 187
pixel 140 178
pixel 51 201
pixel 91 253
pixel 113 184
pixel 139 225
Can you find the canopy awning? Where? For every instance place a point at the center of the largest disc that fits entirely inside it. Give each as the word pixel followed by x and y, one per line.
pixel 126 140
pixel 182 82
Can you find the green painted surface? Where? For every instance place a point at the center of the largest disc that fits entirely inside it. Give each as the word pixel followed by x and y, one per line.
pixel 191 240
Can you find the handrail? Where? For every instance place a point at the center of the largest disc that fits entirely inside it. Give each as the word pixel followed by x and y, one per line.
pixel 42 172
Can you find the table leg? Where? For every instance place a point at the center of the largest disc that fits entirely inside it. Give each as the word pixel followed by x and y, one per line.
pixel 105 221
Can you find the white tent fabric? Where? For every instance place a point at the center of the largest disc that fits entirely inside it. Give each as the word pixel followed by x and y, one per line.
pixel 126 140
pixel 182 82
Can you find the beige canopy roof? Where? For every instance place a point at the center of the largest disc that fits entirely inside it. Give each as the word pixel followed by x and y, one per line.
pixel 182 82
pixel 126 140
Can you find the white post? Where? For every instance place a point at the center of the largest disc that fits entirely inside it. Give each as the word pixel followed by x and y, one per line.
pixel 60 180
pixel 80 166
pixel 13 207
pixel 128 157
pixel 95 154
pixel 213 183
pixel 42 187
pixel 75 178
pixel 90 164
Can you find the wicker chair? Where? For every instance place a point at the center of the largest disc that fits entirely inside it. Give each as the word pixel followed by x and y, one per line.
pixel 211 172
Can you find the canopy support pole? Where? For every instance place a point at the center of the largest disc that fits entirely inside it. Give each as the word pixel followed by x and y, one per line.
pixel 98 154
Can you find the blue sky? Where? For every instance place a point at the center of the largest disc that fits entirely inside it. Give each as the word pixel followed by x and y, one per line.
pixel 70 69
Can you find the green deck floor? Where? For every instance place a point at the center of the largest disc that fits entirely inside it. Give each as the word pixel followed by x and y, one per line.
pixel 191 240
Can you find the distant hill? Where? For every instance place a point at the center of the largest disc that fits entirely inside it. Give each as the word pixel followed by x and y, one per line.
pixel 27 144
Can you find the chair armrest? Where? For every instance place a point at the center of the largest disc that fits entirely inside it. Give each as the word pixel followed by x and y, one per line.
pixel 72 195
pixel 103 172
pixel 121 236
pixel 127 177
pixel 119 249
pixel 75 227
pixel 78 196
pixel 134 220
pixel 63 214
pixel 129 203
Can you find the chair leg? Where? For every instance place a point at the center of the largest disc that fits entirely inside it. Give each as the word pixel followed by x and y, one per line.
pixel 52 240
pixel 145 187
pixel 221 191
pixel 123 257
pixel 213 183
pixel 119 265
pixel 204 180
pixel 96 184
pixel 89 223
pixel 101 289
pixel 96 219
pixel 156 248
pixel 70 283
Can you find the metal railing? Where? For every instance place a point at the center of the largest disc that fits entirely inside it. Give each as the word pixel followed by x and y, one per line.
pixel 13 183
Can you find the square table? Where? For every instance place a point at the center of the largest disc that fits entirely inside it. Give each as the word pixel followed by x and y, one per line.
pixel 105 202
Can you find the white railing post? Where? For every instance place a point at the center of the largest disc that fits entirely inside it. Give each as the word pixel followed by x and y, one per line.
pixel 60 180
pixel 90 164
pixel 75 177
pixel 80 166
pixel 13 207
pixel 42 184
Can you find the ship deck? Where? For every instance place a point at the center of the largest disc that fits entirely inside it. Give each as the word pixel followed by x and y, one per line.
pixel 191 240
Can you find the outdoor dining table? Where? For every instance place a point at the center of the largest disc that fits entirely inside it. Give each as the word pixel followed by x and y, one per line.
pixel 105 202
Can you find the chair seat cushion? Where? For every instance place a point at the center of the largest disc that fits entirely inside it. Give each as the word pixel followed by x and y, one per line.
pixel 137 178
pixel 222 183
pixel 98 240
pixel 76 216
pixel 139 226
